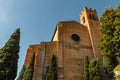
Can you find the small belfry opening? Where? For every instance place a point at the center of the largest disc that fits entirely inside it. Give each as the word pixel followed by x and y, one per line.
pixel 91 16
pixel 83 19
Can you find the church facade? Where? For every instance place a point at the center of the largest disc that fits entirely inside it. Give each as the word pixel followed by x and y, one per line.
pixel 71 41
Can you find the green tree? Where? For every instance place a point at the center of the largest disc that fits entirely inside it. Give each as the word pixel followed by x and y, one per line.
pixel 116 23
pixel 94 70
pixel 21 74
pixel 116 72
pixel 86 66
pixel 107 31
pixel 9 57
pixel 52 70
pixel 47 73
pixel 108 66
pixel 110 38
pixel 28 75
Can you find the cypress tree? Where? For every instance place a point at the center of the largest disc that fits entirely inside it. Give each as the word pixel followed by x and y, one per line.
pixel 52 72
pixel 47 75
pixel 94 70
pixel 21 74
pixel 86 66
pixel 28 75
pixel 9 57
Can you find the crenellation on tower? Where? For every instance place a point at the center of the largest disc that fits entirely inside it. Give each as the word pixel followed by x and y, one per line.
pixel 88 14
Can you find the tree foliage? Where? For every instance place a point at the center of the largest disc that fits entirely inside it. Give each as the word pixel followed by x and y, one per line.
pixel 110 37
pixel 9 57
pixel 116 72
pixel 28 74
pixel 94 70
pixel 21 74
pixel 107 31
pixel 52 69
pixel 47 73
pixel 86 66
pixel 108 66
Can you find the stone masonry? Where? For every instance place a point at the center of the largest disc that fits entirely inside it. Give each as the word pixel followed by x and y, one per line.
pixel 71 41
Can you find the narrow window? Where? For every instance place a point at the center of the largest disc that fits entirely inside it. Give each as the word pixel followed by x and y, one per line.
pixel 93 17
pixel 83 19
pixel 90 16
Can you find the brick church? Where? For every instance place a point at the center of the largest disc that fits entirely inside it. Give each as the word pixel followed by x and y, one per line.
pixel 71 41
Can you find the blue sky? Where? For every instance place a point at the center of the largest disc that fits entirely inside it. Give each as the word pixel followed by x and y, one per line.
pixel 37 19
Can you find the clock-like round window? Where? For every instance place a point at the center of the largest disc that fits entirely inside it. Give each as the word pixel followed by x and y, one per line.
pixel 75 37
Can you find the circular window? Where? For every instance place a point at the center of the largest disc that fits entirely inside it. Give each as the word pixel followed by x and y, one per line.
pixel 75 37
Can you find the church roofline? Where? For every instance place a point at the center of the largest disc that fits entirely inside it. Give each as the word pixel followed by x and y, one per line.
pixel 68 21
pixel 73 21
pixel 54 32
pixel 62 22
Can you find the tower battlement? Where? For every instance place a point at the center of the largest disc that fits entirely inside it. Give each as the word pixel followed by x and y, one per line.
pixel 88 10
pixel 88 14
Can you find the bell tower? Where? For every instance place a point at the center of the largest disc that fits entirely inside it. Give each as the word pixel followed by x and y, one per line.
pixel 88 15
pixel 90 19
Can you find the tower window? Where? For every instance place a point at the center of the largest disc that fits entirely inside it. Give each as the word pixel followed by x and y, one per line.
pixel 90 16
pixel 83 19
pixel 93 17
